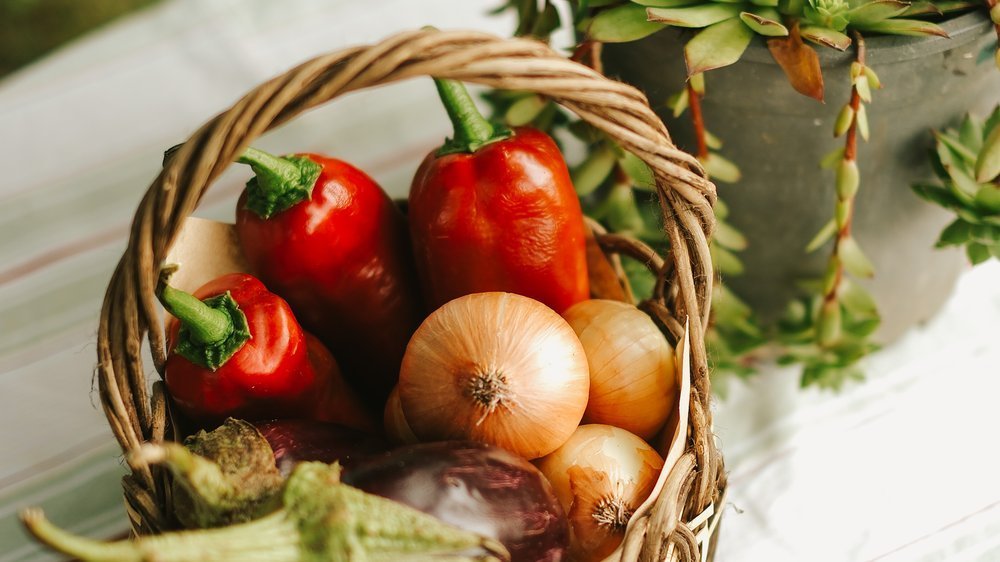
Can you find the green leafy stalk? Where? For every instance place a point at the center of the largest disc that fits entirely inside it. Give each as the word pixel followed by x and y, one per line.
pixel 321 519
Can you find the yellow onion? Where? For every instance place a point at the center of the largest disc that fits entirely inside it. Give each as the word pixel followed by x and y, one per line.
pixel 600 475
pixel 397 429
pixel 632 380
pixel 497 368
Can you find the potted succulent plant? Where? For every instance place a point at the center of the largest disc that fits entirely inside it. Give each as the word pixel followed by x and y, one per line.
pixel 823 246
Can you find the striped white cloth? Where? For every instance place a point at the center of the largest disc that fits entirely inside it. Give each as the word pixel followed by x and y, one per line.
pixel 900 468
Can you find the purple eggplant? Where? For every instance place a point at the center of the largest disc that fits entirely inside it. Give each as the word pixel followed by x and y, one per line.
pixel 295 441
pixel 477 487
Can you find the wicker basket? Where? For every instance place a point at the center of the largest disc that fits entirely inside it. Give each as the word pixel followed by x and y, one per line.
pixel 681 524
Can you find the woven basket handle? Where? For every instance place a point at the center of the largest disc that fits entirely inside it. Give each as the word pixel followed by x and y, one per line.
pixel 686 196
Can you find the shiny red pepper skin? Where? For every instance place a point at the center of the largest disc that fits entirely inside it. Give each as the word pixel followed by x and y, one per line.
pixel 341 259
pixel 268 377
pixel 503 218
pixel 281 371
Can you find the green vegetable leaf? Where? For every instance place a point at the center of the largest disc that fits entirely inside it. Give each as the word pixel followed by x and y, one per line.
pixel 622 24
pixel 826 36
pixel 702 15
pixel 718 45
pixel 854 260
pixel 765 21
pixel 876 11
pixel 917 28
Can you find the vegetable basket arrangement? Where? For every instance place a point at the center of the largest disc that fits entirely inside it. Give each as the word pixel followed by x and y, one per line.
pixel 494 366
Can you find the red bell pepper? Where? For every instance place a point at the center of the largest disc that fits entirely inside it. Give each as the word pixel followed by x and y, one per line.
pixel 495 210
pixel 237 351
pixel 323 235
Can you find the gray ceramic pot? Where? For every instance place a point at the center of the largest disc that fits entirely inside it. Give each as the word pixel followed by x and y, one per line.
pixel 778 136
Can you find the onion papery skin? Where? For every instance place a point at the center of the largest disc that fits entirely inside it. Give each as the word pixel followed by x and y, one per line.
pixel 397 429
pixel 476 487
pixel 633 383
pixel 496 368
pixel 600 475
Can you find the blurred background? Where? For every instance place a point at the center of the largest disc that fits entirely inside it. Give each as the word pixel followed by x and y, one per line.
pixel 30 29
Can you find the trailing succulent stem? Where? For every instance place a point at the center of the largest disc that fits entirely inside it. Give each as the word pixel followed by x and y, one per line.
pixel 838 322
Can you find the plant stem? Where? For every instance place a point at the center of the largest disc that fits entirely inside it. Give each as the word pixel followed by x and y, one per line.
pixel 698 121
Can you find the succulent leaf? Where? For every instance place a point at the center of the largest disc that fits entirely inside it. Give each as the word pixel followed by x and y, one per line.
pixel 822 237
pixel 664 3
pixel 832 158
pixel 988 161
pixel 916 28
pixel 729 237
pixel 718 45
pixel 862 120
pixel 678 103
pixel 703 15
pixel 721 169
pixel 857 300
pixel 524 110
pixel 876 11
pixel 854 260
pixel 844 120
pixel 764 21
pixel 622 24
pixel 827 37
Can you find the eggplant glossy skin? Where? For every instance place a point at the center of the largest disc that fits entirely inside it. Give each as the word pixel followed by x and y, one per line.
pixel 477 487
pixel 295 441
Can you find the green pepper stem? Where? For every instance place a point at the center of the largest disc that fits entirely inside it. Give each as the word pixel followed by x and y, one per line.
pixel 280 182
pixel 273 538
pixel 211 330
pixel 472 130
pixel 206 325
